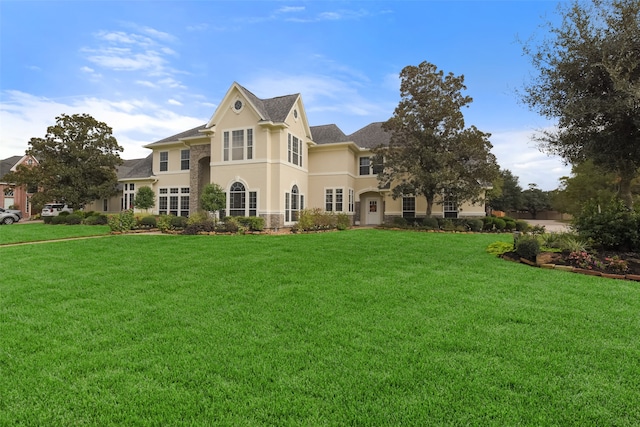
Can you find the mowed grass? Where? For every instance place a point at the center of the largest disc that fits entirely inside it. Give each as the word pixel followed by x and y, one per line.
pixel 362 327
pixel 37 232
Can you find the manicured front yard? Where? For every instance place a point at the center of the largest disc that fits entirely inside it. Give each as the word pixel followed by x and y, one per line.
pixel 37 231
pixel 362 327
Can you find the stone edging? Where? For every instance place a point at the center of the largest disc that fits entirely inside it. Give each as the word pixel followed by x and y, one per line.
pixel 569 268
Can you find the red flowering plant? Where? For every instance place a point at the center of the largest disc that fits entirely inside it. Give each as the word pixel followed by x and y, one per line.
pixel 585 260
pixel 616 264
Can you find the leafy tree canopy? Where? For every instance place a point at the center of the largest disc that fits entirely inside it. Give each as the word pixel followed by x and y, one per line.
pixel 213 198
pixel 507 195
pixel 145 198
pixel 430 151
pixel 588 78
pixel 77 162
pixel 535 200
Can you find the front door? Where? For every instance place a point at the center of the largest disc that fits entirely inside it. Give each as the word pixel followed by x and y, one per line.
pixel 373 207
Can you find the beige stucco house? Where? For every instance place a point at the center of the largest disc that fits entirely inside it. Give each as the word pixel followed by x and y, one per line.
pixel 271 163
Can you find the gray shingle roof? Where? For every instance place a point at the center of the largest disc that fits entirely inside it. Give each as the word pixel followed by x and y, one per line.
pixel 327 134
pixel 370 136
pixel 274 109
pixel 7 164
pixel 186 134
pixel 136 168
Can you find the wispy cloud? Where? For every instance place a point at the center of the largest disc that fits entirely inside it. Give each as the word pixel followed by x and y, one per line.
pixel 135 122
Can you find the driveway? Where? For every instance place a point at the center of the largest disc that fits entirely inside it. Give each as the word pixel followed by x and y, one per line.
pixel 550 225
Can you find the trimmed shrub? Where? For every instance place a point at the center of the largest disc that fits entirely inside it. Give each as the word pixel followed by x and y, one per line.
pixel 60 219
pixel 399 222
pixel 164 223
pixel 231 224
pixel 475 224
pixel 488 223
pixel 73 219
pixel 203 226
pixel 124 221
pixel 430 223
pixel 510 225
pixel 178 222
pixel 64 213
pixel 499 223
pixel 522 226
pixel 499 248
pixel 528 247
pixel 47 219
pixel 343 221
pixel 610 226
pixel 148 221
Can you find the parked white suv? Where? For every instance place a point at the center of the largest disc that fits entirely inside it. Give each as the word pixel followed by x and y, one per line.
pixel 54 209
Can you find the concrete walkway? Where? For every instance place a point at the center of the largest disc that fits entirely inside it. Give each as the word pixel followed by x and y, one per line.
pixel 550 226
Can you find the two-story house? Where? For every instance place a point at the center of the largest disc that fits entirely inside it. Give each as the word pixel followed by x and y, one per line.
pixel 271 163
pixel 15 196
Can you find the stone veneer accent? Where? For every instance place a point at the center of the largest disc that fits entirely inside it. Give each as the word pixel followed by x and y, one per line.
pixel 197 153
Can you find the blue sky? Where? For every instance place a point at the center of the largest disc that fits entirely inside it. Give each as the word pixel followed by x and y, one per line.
pixel 153 69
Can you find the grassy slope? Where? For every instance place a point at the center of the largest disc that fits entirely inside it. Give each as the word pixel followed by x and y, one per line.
pixel 364 327
pixel 35 232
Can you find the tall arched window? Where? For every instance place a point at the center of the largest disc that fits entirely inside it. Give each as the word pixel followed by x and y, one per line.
pixel 237 199
pixel 238 196
pixel 294 203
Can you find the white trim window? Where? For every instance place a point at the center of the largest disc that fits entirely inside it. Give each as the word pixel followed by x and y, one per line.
pixel 352 198
pixel 369 166
pixel 173 201
pixel 237 145
pixel 294 150
pixel 164 161
pixel 184 159
pixel 129 194
pixel 409 207
pixel 238 197
pixel 450 208
pixel 293 204
pixel 334 199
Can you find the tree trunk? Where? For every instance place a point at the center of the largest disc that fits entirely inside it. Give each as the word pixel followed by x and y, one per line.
pixel 624 191
pixel 429 198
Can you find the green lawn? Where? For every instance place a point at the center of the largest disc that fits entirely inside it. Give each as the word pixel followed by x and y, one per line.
pixel 36 232
pixel 362 327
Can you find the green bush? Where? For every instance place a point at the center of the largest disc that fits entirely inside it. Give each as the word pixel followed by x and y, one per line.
pixel 64 213
pixel 475 224
pixel 205 225
pixel 231 224
pixel 399 222
pixel 251 223
pixel 446 224
pixel 500 224
pixel 124 221
pixel 488 223
pixel 178 222
pixel 343 221
pixel 430 223
pixel 148 221
pixel 499 248
pixel 510 225
pixel 60 219
pixel 528 247
pixel 610 226
pixel 522 226
pixel 316 219
pixel 163 223
pixel 47 219
pixel 73 219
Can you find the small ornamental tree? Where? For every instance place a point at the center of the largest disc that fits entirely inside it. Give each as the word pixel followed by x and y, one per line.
pixel 145 198
pixel 213 198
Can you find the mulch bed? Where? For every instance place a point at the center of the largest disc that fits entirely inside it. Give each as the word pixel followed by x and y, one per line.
pixel 562 261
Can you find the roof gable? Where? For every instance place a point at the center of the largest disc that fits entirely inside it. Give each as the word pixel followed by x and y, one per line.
pixel 273 110
pixel 327 134
pixel 371 136
pixel 174 138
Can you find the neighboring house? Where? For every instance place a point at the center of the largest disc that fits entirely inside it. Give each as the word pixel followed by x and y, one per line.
pixel 271 163
pixel 12 196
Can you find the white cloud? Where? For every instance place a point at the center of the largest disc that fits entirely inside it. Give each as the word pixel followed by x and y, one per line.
pixel 515 151
pixel 135 122
pixel 291 9
pixel 174 102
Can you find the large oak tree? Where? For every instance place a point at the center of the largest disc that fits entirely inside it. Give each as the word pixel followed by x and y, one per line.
pixel 430 152
pixel 588 79
pixel 77 162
